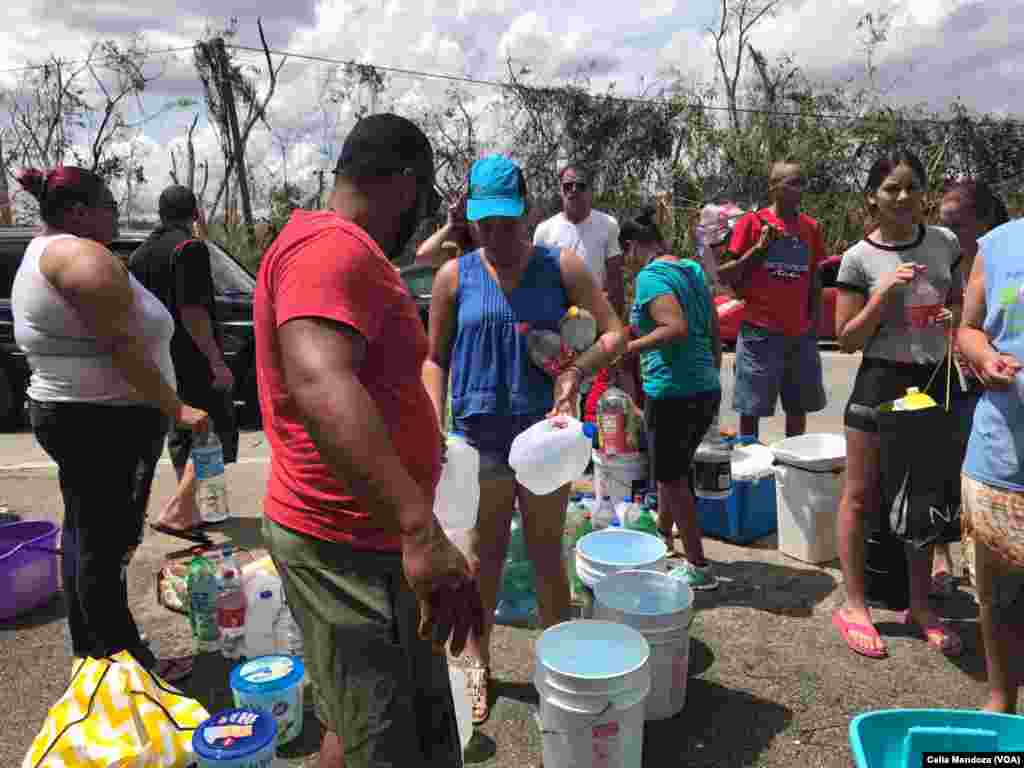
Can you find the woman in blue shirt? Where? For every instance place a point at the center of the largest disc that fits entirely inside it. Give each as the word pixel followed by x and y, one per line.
pixel 991 337
pixel 680 354
pixel 481 303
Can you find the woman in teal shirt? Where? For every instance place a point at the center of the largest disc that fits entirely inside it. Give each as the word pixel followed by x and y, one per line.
pixel 676 326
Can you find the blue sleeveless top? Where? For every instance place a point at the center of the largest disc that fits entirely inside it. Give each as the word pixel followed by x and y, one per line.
pixel 491 368
pixel 995 453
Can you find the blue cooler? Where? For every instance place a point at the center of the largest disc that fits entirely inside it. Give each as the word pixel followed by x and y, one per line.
pixel 749 512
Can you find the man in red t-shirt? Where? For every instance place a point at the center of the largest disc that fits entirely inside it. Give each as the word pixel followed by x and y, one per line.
pixel 374 584
pixel 772 263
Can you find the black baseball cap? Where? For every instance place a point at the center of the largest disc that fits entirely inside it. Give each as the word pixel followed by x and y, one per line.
pixel 386 144
pixel 177 203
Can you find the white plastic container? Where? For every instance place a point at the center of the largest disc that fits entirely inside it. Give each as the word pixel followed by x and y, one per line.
pixel 592 697
pixel 602 553
pixel 463 707
pixel 620 476
pixel 660 607
pixel 457 499
pixel 547 456
pixel 263 597
pixel 817 452
pixel 272 684
pixel 808 510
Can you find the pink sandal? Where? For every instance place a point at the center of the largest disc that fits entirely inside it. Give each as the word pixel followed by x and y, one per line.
pixel 949 643
pixel 845 627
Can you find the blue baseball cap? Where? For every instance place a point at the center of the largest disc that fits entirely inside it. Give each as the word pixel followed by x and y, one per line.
pixel 496 188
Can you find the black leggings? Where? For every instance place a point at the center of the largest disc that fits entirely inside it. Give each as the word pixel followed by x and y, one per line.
pixel 106 456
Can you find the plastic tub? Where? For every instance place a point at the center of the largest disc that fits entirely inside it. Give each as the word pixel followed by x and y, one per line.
pixel 593 678
pixel 272 684
pixel 822 452
pixel 28 577
pixel 602 553
pixel 660 607
pixel 896 738
pixel 236 738
pixel 808 512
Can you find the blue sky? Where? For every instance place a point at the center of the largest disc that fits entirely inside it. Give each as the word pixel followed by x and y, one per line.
pixel 938 50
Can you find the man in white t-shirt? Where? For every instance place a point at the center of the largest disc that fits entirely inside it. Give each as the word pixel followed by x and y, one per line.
pixel 594 235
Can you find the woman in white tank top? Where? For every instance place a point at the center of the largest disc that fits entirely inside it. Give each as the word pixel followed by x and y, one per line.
pixel 101 396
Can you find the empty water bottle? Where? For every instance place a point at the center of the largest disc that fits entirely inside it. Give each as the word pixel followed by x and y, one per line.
pixel 231 608
pixel 604 515
pixel 211 488
pixel 551 453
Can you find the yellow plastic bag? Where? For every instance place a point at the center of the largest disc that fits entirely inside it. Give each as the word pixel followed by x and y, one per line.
pixel 116 714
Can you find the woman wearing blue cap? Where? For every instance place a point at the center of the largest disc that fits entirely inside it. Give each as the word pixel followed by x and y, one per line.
pixel 481 301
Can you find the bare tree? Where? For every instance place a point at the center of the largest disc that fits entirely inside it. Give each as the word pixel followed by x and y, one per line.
pixel 212 72
pixel 736 19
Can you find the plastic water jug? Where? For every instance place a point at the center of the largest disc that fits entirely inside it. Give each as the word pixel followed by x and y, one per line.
pixel 712 471
pixel 914 400
pixel 202 604
pixel 457 499
pixel 263 605
pixel 547 456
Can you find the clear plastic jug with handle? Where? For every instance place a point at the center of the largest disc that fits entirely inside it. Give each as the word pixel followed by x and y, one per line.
pixel 551 453
pixel 457 499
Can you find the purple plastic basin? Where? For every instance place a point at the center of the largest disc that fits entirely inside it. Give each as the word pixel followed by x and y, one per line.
pixel 28 577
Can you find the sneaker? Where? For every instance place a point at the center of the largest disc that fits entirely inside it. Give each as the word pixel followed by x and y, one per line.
pixel 698 577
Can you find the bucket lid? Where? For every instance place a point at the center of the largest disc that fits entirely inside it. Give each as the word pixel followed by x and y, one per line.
pixel 234 734
pixel 752 462
pixel 592 649
pixel 621 548
pixel 644 593
pixel 267 674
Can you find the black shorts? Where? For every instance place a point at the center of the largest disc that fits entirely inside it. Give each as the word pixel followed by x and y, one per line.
pixel 221 407
pixel 675 428
pixel 882 381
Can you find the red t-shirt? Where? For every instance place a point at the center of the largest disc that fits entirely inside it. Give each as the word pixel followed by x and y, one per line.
pixel 324 266
pixel 777 293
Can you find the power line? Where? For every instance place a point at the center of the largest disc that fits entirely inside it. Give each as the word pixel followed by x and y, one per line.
pixel 99 60
pixel 423 74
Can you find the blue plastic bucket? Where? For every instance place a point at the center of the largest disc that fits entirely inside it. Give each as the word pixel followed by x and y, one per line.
pixel 236 738
pixel 896 738
pixel 593 678
pixel 272 684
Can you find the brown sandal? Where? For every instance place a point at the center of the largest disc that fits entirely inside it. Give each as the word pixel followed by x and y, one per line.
pixel 478 678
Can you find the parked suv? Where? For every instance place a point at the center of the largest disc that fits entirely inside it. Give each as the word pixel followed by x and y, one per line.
pixel 233 284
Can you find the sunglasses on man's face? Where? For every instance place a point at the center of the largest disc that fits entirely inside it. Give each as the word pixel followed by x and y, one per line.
pixel 574 186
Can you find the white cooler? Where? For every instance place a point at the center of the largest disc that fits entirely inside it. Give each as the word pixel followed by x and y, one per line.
pixel 809 474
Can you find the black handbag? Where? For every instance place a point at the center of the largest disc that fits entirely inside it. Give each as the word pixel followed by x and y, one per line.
pixel 921 455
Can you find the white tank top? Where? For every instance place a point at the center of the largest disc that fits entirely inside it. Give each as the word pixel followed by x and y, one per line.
pixel 68 362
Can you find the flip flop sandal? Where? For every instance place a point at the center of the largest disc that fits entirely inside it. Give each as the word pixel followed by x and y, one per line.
pixel 173 670
pixel 939 635
pixel 194 535
pixel 845 627
pixel 478 678
pixel 673 553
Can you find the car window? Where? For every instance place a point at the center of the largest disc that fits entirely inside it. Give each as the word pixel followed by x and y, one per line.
pixel 229 277
pixel 10 258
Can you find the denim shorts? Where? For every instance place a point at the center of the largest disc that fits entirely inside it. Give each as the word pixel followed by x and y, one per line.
pixel 772 366
pixel 492 435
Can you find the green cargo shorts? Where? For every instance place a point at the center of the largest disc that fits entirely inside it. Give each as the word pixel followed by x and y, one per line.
pixel 378 686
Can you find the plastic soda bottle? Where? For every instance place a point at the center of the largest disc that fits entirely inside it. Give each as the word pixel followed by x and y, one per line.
pixel 211 489
pixel 231 608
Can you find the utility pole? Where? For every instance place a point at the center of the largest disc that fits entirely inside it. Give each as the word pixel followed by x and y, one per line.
pixel 320 189
pixel 228 98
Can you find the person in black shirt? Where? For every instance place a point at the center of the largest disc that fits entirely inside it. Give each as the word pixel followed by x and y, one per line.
pixel 175 267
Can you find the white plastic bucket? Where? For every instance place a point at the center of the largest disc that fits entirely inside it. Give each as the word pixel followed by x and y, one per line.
pixel 602 553
pixel 593 678
pixel 818 452
pixel 660 607
pixel 808 512
pixel 619 476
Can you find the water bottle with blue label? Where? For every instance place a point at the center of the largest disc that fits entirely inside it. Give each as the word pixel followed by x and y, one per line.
pixel 211 489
